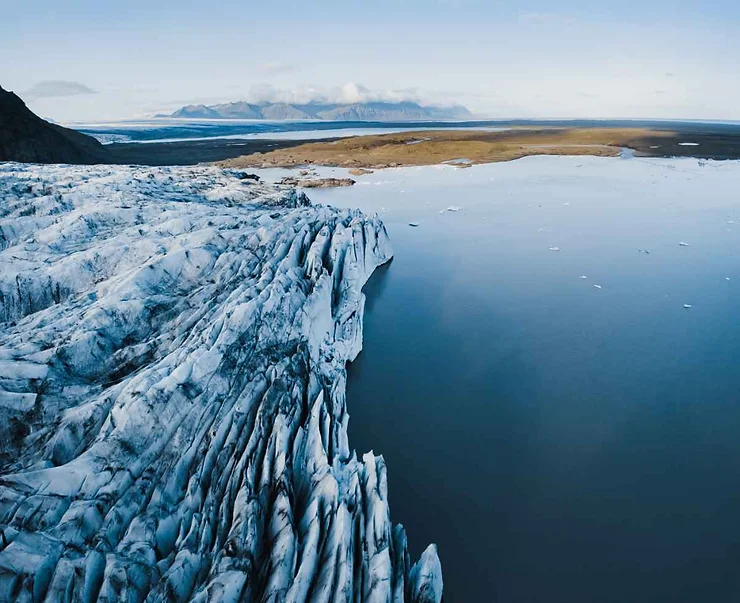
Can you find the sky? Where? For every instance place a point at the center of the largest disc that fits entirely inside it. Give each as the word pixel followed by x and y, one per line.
pixel 86 61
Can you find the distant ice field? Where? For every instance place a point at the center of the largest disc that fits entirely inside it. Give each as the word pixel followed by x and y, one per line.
pixel 171 129
pixel 179 130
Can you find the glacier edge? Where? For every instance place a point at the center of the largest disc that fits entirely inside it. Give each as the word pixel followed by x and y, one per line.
pixel 172 387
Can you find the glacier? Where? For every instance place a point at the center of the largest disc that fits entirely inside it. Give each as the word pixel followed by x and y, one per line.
pixel 173 421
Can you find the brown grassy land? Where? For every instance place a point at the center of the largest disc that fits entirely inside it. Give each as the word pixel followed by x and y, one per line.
pixel 438 146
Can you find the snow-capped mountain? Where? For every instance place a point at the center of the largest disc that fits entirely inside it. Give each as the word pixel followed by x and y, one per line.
pixel 364 111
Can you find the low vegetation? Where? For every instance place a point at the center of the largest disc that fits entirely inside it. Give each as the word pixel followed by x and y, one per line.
pixel 476 146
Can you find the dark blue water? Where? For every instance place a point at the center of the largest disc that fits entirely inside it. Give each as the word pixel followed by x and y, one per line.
pixel 560 443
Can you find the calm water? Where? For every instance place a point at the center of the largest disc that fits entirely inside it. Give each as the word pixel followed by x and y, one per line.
pixel 169 129
pixel 559 442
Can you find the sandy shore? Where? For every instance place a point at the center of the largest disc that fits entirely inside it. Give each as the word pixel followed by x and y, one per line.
pixel 464 147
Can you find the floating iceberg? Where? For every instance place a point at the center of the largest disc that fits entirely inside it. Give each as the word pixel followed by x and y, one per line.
pixel 172 390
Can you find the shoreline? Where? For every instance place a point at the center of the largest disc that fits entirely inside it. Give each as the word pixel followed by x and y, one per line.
pixel 432 147
pixel 464 148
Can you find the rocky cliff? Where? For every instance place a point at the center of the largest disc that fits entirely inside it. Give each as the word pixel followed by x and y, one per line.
pixel 26 137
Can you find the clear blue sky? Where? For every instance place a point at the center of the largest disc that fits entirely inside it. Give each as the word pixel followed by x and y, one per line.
pixel 635 58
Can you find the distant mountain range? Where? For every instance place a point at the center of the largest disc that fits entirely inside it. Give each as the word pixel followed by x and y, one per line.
pixel 369 111
pixel 25 137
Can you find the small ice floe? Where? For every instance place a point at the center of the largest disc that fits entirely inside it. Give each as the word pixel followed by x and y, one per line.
pixel 730 221
pixel 688 144
pixel 597 286
pixel 683 244
pixel 566 203
pixel 583 276
pixel 454 208
pixel 414 224
pixel 644 251
pixel 655 146
pixel 553 248
pixel 688 306
pixel 727 278
pixel 540 229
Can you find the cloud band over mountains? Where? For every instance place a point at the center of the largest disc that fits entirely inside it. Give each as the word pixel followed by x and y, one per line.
pixel 349 93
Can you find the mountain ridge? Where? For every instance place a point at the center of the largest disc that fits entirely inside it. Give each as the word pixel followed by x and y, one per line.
pixel 360 111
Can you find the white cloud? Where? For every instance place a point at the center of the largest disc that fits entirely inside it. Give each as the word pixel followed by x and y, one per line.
pixel 354 93
pixel 351 92
pixel 57 88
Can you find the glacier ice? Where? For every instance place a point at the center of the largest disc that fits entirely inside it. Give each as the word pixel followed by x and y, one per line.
pixel 173 424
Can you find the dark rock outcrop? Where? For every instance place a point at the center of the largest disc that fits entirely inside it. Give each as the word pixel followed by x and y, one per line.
pixel 316 182
pixel 25 137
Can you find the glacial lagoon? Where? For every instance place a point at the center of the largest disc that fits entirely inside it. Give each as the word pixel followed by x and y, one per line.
pixel 559 441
